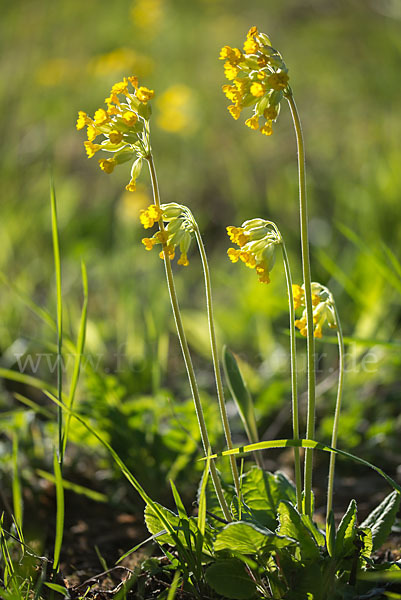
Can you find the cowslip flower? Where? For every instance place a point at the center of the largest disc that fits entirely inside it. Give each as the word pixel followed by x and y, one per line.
pixel 258 78
pixel 257 241
pixel 323 309
pixel 177 233
pixel 124 125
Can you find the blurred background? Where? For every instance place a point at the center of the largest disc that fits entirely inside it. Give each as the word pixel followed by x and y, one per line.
pixel 57 58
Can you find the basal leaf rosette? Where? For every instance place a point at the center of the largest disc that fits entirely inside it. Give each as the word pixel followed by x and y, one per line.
pixel 124 127
pixel 257 240
pixel 259 79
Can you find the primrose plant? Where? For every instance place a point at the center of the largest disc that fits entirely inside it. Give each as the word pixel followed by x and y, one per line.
pixel 253 537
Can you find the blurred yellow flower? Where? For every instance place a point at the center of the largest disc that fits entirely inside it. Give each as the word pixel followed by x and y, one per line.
pixel 147 15
pixel 177 109
pixel 120 60
pixel 56 71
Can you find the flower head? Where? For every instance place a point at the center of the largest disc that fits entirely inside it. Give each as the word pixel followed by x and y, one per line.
pixel 257 240
pixel 176 233
pixel 323 308
pixel 260 79
pixel 123 125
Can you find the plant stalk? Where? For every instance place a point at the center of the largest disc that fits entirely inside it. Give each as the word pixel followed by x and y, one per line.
pixel 215 359
pixel 334 436
pixel 294 387
pixel 310 423
pixel 185 350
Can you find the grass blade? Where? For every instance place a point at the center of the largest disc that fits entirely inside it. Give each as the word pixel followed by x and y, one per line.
pixel 79 353
pixel 57 267
pixel 16 485
pixel 304 443
pixel 59 514
pixel 174 585
pixel 74 487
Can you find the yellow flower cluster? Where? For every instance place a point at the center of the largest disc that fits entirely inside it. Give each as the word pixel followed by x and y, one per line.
pixel 123 125
pixel 177 233
pixel 259 78
pixel 323 308
pixel 257 241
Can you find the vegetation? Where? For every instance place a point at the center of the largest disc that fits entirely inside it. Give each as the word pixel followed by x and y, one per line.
pixel 103 393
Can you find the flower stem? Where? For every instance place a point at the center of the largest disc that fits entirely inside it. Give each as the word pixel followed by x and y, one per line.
pixel 185 351
pixel 215 359
pixel 295 407
pixel 334 435
pixel 310 423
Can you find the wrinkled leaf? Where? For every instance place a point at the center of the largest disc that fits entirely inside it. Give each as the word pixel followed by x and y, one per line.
pixel 292 526
pixel 346 533
pixel 381 519
pixel 263 491
pixel 230 579
pixel 247 538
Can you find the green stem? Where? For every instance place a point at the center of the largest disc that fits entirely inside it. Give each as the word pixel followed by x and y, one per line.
pixel 215 359
pixel 185 351
pixel 295 406
pixel 330 485
pixel 310 423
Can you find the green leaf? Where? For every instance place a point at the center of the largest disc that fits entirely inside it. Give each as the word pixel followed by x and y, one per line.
pixel 381 519
pixel 292 526
pixel 230 579
pixel 346 533
pixel 262 492
pixel 58 588
pixel 247 538
pixel 155 525
pixel 240 394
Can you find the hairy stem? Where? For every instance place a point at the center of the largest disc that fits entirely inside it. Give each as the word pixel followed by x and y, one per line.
pixel 185 351
pixel 310 423
pixel 215 359
pixel 334 435
pixel 294 390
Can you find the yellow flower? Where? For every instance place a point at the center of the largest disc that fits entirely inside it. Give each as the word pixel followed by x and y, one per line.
pixel 231 93
pixel 149 216
pixel 120 88
pixel 298 295
pixel 267 128
pixel 115 136
pixel 91 148
pixel 129 117
pixel 234 111
pixel 149 243
pixel 233 254
pixel 278 81
pixel 253 122
pixel 101 116
pixel 237 235
pixel 270 113
pixel 92 132
pixel 133 81
pixel 233 55
pixel 230 71
pixel 144 94
pixel 257 89
pixel 183 260
pixel 262 273
pixel 250 46
pixel 107 164
pixel 170 252
pixel 112 110
pixel 248 259
pixel 82 120
pixel 131 186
